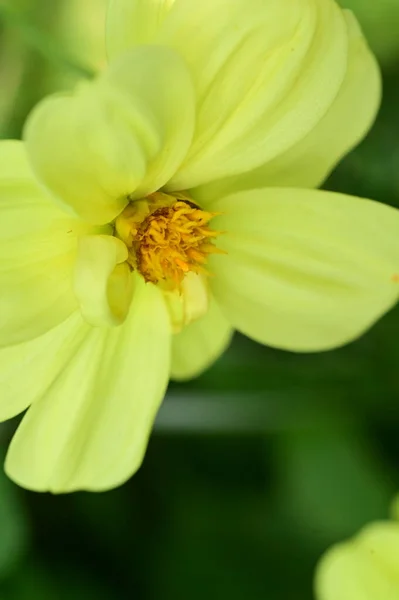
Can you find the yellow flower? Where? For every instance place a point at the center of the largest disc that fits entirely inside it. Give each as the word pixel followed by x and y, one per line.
pixel 364 568
pixel 148 214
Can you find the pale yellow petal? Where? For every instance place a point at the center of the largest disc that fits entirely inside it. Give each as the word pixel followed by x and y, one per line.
pixel 309 162
pixel 365 568
pixel 37 252
pixel 103 281
pixel 28 369
pixel 305 270
pixel 90 431
pixel 347 575
pixel 382 540
pixel 189 302
pixel 199 344
pixel 133 22
pixel 265 72
pixel 119 137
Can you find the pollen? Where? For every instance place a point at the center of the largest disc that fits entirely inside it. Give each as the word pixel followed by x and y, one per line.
pixel 167 237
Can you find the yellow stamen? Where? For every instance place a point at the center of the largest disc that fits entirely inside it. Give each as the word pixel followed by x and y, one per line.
pixel 167 237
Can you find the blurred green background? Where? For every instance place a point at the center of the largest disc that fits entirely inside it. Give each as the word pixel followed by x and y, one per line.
pixel 254 469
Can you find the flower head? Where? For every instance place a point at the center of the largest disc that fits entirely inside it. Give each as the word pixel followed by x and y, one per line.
pixel 167 237
pixel 148 214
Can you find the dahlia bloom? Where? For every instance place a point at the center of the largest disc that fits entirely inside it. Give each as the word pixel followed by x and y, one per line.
pixel 156 209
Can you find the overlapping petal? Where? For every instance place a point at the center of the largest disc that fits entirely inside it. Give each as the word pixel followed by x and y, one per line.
pixel 199 344
pixel 118 138
pixel 310 161
pixel 265 72
pixel 103 282
pixel 365 568
pixel 90 430
pixel 37 251
pixel 29 369
pixel 305 270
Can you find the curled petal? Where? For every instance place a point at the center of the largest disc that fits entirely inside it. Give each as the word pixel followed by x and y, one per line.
pixel 117 138
pixel 103 281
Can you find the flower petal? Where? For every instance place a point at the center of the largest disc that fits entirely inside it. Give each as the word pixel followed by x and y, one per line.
pixel 310 161
pixel 265 73
pixel 199 344
pixel 37 252
pixel 365 568
pixel 349 575
pixel 90 431
pixel 122 135
pixel 103 282
pixel 133 22
pixel 305 270
pixel 28 369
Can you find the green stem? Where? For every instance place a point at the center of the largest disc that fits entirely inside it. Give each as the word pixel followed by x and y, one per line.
pixel 41 42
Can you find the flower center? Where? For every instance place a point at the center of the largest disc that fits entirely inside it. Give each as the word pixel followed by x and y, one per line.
pixel 167 237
